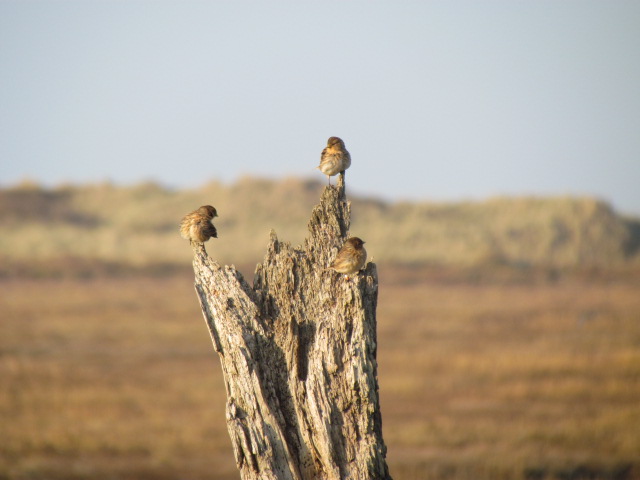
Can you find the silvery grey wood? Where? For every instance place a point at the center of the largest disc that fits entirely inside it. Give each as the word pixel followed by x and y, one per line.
pixel 298 354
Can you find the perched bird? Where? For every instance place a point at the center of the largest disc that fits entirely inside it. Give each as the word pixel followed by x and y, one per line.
pixel 197 227
pixel 351 257
pixel 334 158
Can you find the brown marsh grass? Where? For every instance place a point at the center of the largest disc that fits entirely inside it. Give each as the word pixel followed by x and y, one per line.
pixel 115 378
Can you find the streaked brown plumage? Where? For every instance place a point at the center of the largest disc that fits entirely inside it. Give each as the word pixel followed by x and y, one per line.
pixel 334 158
pixel 351 257
pixel 197 227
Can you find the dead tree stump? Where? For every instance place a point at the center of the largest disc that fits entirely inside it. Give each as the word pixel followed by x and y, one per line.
pixel 298 353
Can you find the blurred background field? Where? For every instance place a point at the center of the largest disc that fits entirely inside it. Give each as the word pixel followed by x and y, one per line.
pixel 136 227
pixel 508 332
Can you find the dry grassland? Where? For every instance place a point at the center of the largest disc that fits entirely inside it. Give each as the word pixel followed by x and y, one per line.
pixel 115 378
pixel 138 226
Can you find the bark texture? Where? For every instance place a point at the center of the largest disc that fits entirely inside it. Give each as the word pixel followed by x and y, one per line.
pixel 298 353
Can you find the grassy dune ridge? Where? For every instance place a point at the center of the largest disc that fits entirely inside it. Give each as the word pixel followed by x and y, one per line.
pixel 137 225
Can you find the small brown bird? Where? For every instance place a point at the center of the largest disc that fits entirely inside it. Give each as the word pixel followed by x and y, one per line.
pixel 334 158
pixel 197 227
pixel 351 257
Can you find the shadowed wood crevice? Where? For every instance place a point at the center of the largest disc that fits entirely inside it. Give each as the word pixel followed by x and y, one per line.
pixel 298 353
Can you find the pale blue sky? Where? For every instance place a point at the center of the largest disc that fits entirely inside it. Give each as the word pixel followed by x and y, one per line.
pixel 441 100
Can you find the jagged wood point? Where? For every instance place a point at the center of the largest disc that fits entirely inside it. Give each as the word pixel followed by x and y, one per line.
pixel 298 354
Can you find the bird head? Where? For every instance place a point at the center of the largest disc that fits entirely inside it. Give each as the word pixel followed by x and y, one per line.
pixel 335 141
pixel 208 211
pixel 356 242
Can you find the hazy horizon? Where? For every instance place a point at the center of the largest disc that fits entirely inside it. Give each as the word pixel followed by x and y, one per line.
pixel 436 101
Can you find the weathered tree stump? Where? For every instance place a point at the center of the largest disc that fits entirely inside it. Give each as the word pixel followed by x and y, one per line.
pixel 298 353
